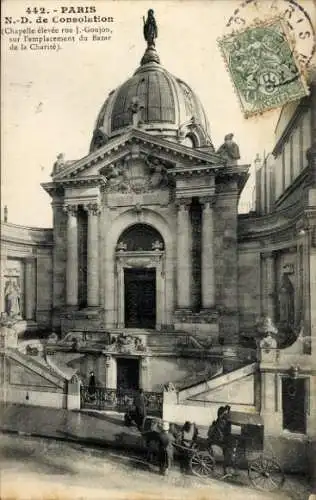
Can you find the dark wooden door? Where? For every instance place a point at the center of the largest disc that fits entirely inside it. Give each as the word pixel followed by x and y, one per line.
pixel 127 373
pixel 140 298
pixel 294 404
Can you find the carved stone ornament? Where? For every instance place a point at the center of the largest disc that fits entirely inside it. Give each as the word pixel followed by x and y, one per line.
pixel 121 246
pixel 207 201
pixel 92 208
pixel 170 387
pixel 70 209
pixel 136 262
pixel 108 361
pixel 157 245
pixel 268 343
pixel 136 176
pixel 183 203
pixel 129 344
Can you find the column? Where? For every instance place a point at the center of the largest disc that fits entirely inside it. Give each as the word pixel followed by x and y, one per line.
pixel 269 284
pixel 72 256
pixel 207 267
pixel 93 255
pixel 29 289
pixel 183 254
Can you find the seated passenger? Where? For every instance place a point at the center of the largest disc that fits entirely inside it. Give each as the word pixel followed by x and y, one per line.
pixel 189 434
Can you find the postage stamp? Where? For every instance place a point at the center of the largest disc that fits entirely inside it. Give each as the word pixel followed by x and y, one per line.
pixel 263 66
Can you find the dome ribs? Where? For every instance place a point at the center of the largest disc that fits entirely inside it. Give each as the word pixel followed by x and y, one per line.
pixel 170 108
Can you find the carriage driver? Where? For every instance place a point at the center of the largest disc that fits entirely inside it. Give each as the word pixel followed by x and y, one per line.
pixel 166 448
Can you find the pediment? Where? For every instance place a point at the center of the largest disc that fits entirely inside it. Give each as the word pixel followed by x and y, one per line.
pixel 134 144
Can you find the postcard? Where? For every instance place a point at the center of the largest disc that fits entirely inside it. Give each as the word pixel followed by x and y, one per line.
pixel 158 249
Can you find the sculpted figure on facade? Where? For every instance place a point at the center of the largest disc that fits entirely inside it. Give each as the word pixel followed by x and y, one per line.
pixel 229 150
pixel 158 173
pixel 99 138
pixel 150 28
pixel 12 295
pixel 127 343
pixel 136 108
pixel 59 163
pixel 117 177
pixel 286 302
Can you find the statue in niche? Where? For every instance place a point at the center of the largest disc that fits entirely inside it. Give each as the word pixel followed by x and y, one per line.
pixel 286 302
pixel 12 294
pixel 150 28
pixel 229 151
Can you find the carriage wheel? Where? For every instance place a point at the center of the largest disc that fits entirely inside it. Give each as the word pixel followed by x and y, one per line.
pixel 202 464
pixel 266 474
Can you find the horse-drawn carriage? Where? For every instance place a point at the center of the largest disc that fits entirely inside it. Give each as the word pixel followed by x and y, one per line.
pixel 245 451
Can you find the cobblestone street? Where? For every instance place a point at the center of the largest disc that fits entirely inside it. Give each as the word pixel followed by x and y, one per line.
pixel 40 468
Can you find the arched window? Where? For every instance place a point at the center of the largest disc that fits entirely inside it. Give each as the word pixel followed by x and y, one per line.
pixel 140 237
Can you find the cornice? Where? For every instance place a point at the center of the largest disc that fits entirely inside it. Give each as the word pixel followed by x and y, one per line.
pixel 26 236
pixel 58 185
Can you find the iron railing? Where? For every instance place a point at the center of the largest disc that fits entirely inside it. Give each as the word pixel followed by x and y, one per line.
pixel 120 400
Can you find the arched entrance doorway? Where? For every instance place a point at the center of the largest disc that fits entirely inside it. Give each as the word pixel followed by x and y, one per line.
pixel 139 257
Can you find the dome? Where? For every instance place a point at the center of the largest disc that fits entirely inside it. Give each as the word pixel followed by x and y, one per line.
pixel 158 103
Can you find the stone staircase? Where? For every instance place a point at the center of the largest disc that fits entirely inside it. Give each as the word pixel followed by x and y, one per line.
pixel 37 365
pixel 218 380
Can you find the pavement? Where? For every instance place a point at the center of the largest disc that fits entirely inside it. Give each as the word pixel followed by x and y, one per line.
pixel 86 427
pixel 38 469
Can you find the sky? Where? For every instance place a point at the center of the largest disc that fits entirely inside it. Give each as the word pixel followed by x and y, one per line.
pixel 50 100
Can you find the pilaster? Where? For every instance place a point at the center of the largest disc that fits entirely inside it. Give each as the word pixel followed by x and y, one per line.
pixel 208 266
pixel 29 288
pixel 268 289
pixel 183 253
pixel 93 211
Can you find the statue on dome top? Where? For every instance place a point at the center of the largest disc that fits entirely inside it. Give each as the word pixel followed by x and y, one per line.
pixel 229 150
pixel 150 28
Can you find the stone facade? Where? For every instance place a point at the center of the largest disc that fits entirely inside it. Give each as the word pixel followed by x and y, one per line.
pixel 110 205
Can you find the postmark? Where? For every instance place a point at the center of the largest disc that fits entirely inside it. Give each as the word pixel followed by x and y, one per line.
pixel 263 66
pixel 297 19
